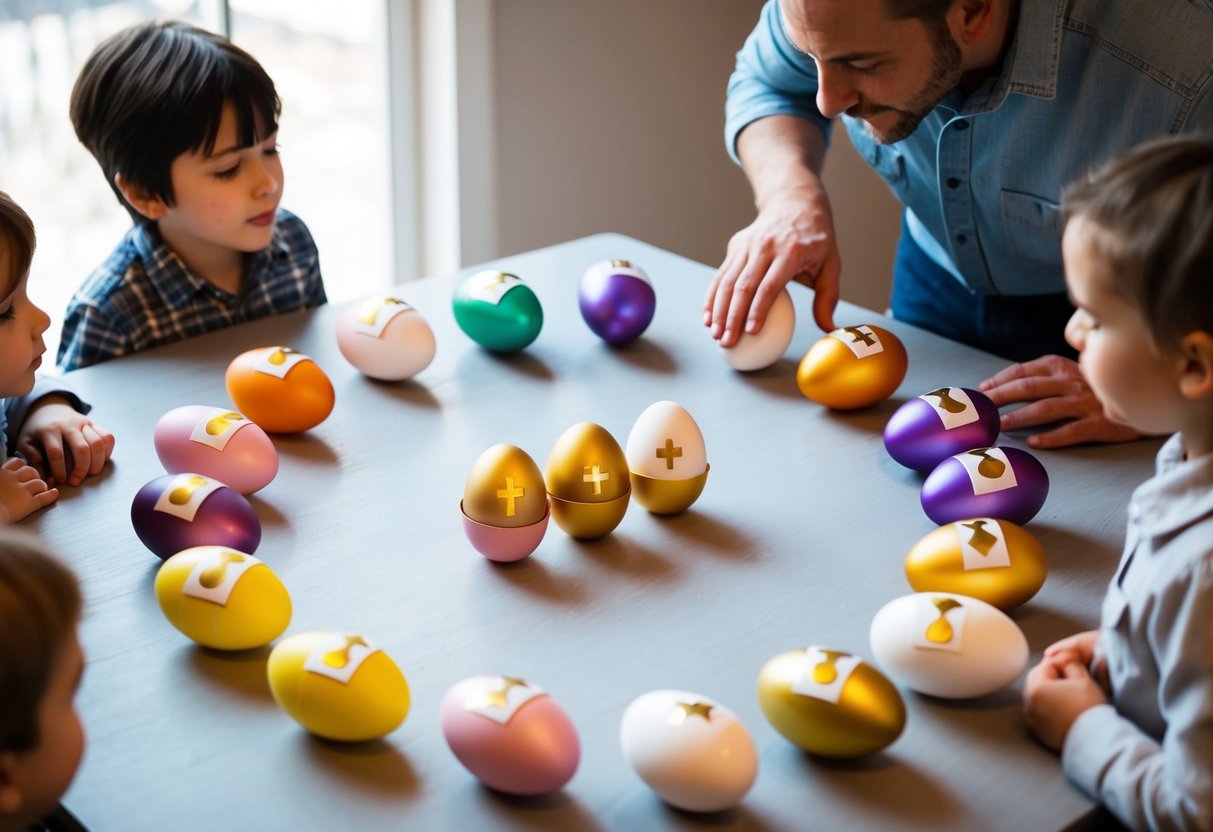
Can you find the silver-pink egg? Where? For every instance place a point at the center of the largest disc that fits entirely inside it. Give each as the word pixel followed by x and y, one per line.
pixel 216 442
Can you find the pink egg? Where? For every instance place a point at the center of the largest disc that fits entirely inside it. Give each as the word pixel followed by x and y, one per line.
pixel 216 442
pixel 511 734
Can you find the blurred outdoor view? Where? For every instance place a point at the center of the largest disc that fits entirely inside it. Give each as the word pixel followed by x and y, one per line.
pixel 328 64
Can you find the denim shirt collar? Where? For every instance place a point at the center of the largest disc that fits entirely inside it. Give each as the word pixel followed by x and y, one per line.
pixel 1030 64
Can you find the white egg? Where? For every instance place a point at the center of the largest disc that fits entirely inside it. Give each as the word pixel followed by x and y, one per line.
pixel 666 443
pixel 765 347
pixel 948 645
pixel 691 750
pixel 385 338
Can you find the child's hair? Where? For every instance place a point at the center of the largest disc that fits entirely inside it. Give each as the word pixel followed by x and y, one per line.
pixel 39 607
pixel 17 237
pixel 157 90
pixel 1151 221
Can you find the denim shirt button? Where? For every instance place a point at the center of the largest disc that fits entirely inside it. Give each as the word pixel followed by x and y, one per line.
pixel 961 125
pixel 962 239
pixel 953 182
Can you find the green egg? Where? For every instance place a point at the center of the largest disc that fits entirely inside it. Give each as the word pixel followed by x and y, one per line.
pixel 497 311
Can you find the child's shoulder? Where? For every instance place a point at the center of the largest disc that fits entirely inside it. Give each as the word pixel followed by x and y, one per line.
pixel 292 231
pixel 128 261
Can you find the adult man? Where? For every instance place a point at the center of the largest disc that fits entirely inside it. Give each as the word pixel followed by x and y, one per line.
pixel 976 113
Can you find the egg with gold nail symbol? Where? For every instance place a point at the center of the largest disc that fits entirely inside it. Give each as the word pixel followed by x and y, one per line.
pixel 587 481
pixel 385 338
pixel 280 388
pixel 340 686
pixel 505 504
pixel 830 702
pixel 986 482
pixel 982 557
pixel 853 367
pixel 497 310
pixel 929 428
pixel 667 458
pixel 181 511
pixel 216 442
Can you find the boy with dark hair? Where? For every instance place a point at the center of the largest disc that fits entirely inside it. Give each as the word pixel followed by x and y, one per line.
pixel 185 126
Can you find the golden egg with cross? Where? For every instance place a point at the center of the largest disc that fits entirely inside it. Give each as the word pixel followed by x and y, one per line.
pixel 853 367
pixel 505 504
pixel 587 481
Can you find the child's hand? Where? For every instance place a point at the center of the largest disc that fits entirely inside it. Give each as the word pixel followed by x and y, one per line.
pixel 1053 697
pixel 22 492
pixel 1079 647
pixel 53 430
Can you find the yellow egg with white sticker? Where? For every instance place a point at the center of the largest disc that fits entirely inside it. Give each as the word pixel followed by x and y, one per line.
pixel 587 480
pixel 987 558
pixel 223 598
pixel 853 367
pixel 667 458
pixel 339 686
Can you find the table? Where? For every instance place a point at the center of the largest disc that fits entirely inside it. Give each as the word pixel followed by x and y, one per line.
pixel 798 539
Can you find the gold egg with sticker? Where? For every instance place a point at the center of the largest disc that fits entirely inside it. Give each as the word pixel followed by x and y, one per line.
pixel 987 558
pixel 587 480
pixel 853 367
pixel 505 504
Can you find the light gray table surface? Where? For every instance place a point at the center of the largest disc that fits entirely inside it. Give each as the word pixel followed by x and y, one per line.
pixel 798 538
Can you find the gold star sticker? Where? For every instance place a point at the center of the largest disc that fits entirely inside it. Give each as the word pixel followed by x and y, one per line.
pixel 685 710
pixel 495 697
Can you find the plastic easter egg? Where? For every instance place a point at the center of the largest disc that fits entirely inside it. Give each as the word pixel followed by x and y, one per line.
pixel 222 598
pixel 218 443
pixel 505 504
pixel 986 558
pixel 986 482
pixel 385 338
pixel 766 346
pixel 948 645
pixel 928 429
pixel 497 311
pixel 280 389
pixel 587 481
pixel 830 703
pixel 510 734
pixel 338 686
pixel 691 750
pixel 667 458
pixel 853 367
pixel 181 511
pixel 617 300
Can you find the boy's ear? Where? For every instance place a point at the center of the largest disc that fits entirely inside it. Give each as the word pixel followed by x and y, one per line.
pixel 140 199
pixel 1196 372
pixel 10 795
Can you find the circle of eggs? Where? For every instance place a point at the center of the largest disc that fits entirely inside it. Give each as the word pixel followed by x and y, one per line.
pixel 986 482
pixel 505 504
pixel 830 702
pixel 691 750
pixel 986 558
pixel 617 300
pixel 853 367
pixel 338 686
pixel 948 645
pixel 385 338
pixel 587 481
pixel 929 428
pixel 667 458
pixel 218 443
pixel 510 734
pixel 761 349
pixel 181 511
pixel 222 598
pixel 280 389
pixel 497 310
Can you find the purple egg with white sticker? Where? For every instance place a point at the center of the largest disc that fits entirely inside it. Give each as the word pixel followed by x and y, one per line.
pixel 928 429
pixel 180 511
pixel 1006 483
pixel 617 300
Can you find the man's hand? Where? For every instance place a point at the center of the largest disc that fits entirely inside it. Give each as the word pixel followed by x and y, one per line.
pixel 22 491
pixel 53 430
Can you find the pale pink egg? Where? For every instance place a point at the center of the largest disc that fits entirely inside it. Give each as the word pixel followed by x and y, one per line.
pixel 218 443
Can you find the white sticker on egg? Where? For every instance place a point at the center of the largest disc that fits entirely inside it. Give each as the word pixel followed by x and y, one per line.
pixel 824 673
pixel 339 656
pixel 982 544
pixel 184 495
pixel 499 697
pixel 217 427
pixel 952 405
pixel 490 286
pixel 376 313
pixel 860 340
pixel 939 623
pixel 989 470
pixel 279 361
pixel 214 577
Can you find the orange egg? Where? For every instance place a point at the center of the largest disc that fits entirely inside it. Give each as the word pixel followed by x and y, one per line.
pixel 280 389
pixel 853 367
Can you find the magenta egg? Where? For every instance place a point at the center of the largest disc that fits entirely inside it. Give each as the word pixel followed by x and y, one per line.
pixel 216 442
pixel 617 300
pixel 1006 483
pixel 180 511
pixel 928 429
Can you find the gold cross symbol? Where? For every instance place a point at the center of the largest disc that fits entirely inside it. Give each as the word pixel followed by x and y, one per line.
pixel 595 475
pixel 858 334
pixel 668 453
pixel 510 493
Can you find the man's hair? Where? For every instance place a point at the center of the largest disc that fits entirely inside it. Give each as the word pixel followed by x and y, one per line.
pixel 929 11
pixel 1151 220
pixel 157 90
pixel 17 237
pixel 39 607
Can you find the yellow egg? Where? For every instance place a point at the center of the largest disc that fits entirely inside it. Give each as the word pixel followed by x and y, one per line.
pixel 505 489
pixel 222 598
pixel 853 367
pixel 986 558
pixel 830 703
pixel 587 478
pixel 338 686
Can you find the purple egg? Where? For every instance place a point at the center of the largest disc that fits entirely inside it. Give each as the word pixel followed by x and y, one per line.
pixel 1006 483
pixel 617 300
pixel 179 511
pixel 928 429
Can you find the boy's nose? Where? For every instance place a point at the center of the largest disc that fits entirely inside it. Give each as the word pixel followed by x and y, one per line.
pixel 42 321
pixel 268 183
pixel 1076 330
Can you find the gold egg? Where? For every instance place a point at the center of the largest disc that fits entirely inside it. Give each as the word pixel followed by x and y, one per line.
pixel 853 367
pixel 993 560
pixel 829 702
pixel 505 489
pixel 587 478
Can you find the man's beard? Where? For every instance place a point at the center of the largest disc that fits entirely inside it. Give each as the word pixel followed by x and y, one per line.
pixel 945 76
